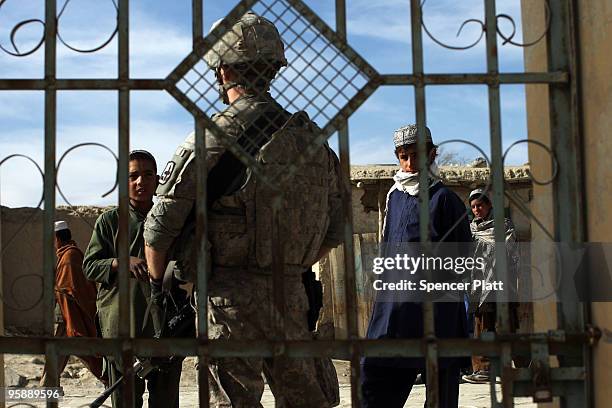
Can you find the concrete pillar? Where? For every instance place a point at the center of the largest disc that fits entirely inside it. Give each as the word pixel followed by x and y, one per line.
pixel 595 70
pixel 595 31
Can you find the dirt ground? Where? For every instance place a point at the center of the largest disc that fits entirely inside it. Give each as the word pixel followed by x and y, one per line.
pixel 81 387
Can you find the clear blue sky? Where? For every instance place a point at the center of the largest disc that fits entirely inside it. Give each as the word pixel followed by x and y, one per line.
pixel 160 36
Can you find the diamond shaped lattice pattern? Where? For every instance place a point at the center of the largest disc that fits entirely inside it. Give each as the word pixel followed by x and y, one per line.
pixel 318 79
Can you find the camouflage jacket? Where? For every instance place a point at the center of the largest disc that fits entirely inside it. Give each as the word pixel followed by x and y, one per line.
pixel 177 187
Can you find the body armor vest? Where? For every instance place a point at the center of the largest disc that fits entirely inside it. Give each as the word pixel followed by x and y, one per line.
pixel 296 174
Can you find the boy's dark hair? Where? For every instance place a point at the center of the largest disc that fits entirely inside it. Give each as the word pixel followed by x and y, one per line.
pixel 143 155
pixel 63 235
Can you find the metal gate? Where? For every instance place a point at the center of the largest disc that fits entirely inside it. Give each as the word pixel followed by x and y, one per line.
pixel 339 82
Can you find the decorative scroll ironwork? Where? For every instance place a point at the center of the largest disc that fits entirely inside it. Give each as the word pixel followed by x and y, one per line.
pixel 42 198
pixel 17 282
pixel 512 196
pixel 553 158
pixel 329 80
pixel 90 50
pixel 15 29
pixel 486 189
pixel 516 199
pixel 338 73
pixel 13 34
pixel 518 202
pixel 508 38
pixel 61 159
pixel 11 287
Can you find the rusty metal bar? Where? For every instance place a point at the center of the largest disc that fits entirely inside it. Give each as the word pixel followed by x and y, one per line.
pixel 497 170
pixel 331 36
pixel 49 179
pixel 341 19
pixel 278 297
pixel 51 365
pixel 350 288
pixel 340 349
pixel 568 191
pixel 126 326
pixel 202 257
pixel 49 189
pixel 431 360
pixel 587 387
pixel 566 143
pixel 83 84
pixel 2 374
pixel 431 351
pixel 124 148
pixel 476 78
pixel 497 177
pixel 558 388
pixel 338 121
pixel 279 304
pixel 385 79
pixel 556 374
pixel 349 262
pixel 420 106
pixel 201 222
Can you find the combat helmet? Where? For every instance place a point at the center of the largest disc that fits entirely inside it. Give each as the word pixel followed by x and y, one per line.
pixel 253 48
pixel 251 39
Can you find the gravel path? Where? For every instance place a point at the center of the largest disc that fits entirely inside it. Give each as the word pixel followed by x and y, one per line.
pixel 80 387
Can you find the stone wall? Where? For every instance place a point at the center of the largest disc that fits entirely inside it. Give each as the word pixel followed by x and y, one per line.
pixel 22 255
pixel 21 230
pixel 595 28
pixel 370 186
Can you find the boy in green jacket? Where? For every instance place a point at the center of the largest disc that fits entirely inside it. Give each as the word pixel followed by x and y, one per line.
pixel 101 265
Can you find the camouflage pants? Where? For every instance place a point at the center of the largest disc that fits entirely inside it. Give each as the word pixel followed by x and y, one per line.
pixel 240 307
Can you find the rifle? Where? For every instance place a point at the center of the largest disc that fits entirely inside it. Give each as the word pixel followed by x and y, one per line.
pixel 142 368
pixel 182 324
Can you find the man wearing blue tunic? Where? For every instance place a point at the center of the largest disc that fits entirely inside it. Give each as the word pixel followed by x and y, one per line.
pixel 387 382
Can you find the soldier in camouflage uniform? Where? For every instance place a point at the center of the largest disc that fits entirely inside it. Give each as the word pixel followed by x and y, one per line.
pixel 245 61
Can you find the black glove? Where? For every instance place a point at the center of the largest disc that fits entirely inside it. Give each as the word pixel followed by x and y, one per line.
pixel 157 294
pixel 157 307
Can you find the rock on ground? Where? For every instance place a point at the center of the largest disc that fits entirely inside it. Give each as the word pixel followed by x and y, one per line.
pixel 13 379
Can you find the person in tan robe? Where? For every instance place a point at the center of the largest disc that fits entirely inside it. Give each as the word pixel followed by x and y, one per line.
pixel 76 298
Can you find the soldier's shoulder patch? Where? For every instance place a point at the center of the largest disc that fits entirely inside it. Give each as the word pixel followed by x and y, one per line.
pixel 182 152
pixel 165 176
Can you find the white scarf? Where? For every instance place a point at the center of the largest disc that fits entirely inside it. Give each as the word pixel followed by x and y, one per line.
pixel 408 182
